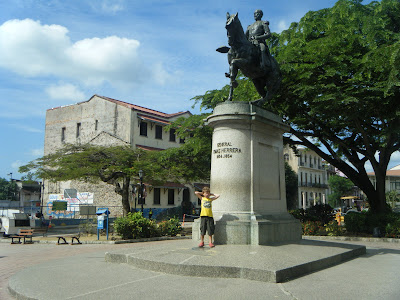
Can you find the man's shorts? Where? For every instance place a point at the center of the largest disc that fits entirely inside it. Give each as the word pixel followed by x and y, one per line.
pixel 207 224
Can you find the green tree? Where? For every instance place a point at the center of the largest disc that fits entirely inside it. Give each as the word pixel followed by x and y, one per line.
pixel 340 187
pixel 8 190
pixel 291 181
pixel 392 198
pixel 340 88
pixel 116 165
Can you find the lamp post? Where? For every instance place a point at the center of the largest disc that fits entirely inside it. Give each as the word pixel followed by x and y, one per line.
pixel 141 188
pixel 10 187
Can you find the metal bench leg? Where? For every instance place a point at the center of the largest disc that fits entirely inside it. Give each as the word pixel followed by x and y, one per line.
pixel 77 240
pixel 64 241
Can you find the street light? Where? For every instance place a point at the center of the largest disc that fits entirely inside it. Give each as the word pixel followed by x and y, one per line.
pixel 141 187
pixel 10 186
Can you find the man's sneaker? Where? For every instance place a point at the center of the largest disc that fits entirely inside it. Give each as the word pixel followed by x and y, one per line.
pixel 211 245
pixel 201 244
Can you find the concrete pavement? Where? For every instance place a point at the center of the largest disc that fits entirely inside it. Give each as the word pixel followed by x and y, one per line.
pixel 88 276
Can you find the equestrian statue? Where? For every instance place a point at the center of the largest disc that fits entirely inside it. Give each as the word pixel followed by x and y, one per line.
pixel 249 53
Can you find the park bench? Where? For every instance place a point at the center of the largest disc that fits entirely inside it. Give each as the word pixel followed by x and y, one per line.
pixel 25 234
pixel 64 242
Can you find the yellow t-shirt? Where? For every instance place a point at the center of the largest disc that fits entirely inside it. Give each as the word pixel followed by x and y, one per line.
pixel 206 207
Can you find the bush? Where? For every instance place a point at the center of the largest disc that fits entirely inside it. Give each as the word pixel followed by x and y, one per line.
pixel 393 229
pixel 318 213
pixel 135 226
pixel 170 227
pixel 334 229
pixel 356 222
pixel 87 227
pixel 313 228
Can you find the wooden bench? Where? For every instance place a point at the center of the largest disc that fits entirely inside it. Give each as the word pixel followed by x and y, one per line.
pixel 26 234
pixel 64 242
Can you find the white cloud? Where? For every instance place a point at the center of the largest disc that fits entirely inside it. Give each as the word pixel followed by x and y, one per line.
pixel 29 48
pixel 111 7
pixel 282 25
pixel 37 152
pixel 25 128
pixel 16 164
pixel 65 92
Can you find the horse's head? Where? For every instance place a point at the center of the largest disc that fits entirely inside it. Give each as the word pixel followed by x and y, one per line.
pixel 231 20
pixel 234 29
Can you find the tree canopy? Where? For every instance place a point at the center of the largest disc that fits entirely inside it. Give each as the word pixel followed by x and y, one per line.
pixel 340 90
pixel 340 187
pixel 8 190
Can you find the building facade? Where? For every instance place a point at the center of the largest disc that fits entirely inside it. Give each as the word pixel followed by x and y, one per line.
pixel 312 176
pixel 110 122
pixel 392 179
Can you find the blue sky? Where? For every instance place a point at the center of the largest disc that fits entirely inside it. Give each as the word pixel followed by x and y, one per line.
pixel 157 54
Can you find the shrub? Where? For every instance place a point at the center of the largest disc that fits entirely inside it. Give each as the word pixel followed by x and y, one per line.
pixel 135 226
pixel 87 227
pixel 313 228
pixel 393 229
pixel 355 222
pixel 321 212
pixel 170 227
pixel 333 228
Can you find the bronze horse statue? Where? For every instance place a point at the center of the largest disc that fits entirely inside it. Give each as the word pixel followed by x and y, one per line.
pixel 246 56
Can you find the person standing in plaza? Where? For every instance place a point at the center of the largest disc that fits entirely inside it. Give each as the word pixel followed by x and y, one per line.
pixel 206 215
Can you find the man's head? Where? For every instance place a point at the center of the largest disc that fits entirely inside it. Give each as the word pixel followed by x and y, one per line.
pixel 258 14
pixel 206 191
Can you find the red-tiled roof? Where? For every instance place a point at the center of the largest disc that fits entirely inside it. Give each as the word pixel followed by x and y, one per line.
pixel 132 106
pixel 148 148
pixel 153 119
pixel 388 173
pixel 143 109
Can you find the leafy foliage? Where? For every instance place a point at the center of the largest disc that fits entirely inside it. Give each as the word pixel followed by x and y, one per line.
pixel 170 227
pixel 291 181
pixel 340 186
pixel 322 213
pixel 135 226
pixel 8 190
pixel 115 165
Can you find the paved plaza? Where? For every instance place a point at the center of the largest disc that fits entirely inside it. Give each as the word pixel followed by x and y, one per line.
pixel 49 271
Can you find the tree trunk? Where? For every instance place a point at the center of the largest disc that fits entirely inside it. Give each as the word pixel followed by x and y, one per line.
pixel 125 195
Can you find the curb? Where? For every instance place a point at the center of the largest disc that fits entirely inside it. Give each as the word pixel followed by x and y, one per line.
pixel 263 275
pixel 350 238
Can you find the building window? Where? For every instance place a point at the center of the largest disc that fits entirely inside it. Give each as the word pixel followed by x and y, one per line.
pixel 143 128
pixel 286 157
pixel 301 178
pixel 171 197
pixel 159 132
pixel 96 124
pixel 63 134
pixel 181 141
pixel 78 129
pixel 157 196
pixel 172 137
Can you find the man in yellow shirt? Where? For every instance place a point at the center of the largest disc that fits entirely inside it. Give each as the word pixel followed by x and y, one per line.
pixel 206 216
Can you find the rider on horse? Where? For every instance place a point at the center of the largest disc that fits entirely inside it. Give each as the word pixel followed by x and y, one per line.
pixel 257 33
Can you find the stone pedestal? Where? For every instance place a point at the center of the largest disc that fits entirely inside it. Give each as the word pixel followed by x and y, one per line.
pixel 247 170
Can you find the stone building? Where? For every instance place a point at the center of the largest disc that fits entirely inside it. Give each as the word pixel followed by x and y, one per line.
pixel 312 176
pixel 106 121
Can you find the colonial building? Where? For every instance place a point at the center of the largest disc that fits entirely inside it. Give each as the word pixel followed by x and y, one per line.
pixel 392 179
pixel 105 121
pixel 312 176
